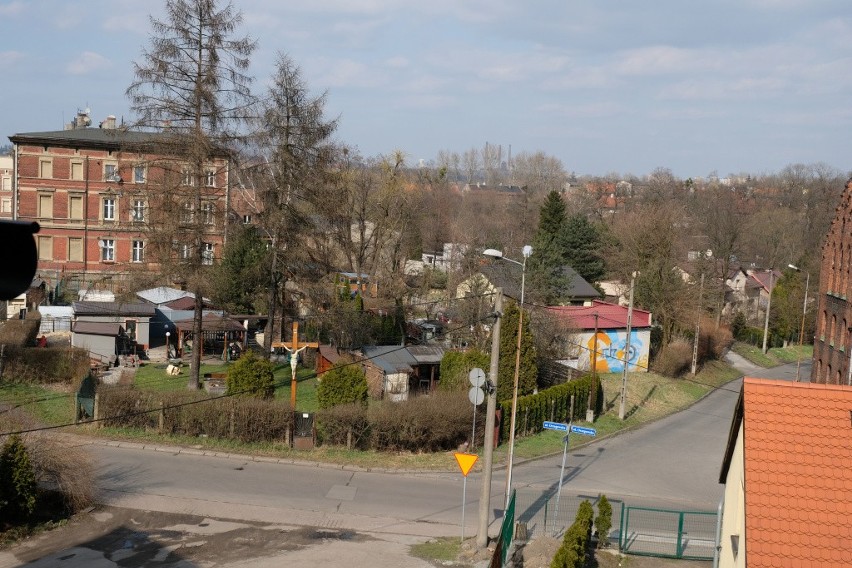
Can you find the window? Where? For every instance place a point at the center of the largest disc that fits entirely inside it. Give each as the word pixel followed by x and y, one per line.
pixel 7 183
pixel 137 251
pixel 130 328
pixel 107 250
pixel 186 215
pixel 137 210
pixel 208 212
pixel 211 177
pixel 45 248
pixel 75 249
pixel 45 168
pixel 246 219
pixel 139 174
pixel 185 252
pixel 207 254
pixel 77 170
pixel 188 178
pixel 75 207
pixel 109 209
pixel 6 205
pixel 111 172
pixel 45 206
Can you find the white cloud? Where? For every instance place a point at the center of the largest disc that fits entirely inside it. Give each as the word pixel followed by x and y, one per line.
pixel 397 62
pixel 422 102
pixel 9 59
pixel 11 9
pixel 346 73
pixel 87 62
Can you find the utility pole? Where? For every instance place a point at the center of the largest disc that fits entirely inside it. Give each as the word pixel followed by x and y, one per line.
pixel 621 409
pixel 491 409
pixel 590 409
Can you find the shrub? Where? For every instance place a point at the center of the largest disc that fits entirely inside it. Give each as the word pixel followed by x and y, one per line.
pixel 441 421
pixel 45 365
pixel 674 359
pixel 18 485
pixel 334 425
pixel 67 468
pixel 456 365
pixel 721 340
pixel 603 521
pixel 20 333
pixel 343 384
pixel 575 542
pixel 251 376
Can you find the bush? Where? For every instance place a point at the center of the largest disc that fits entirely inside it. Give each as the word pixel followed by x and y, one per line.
pixel 67 468
pixel 18 487
pixel 20 333
pixel 603 521
pixel 456 365
pixel 335 424
pixel 721 340
pixel 441 421
pixel 345 383
pixel 575 542
pixel 674 359
pixel 45 365
pixel 251 376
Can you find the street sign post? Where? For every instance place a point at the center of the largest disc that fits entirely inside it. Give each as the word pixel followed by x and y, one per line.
pixel 584 431
pixel 558 426
pixel 465 462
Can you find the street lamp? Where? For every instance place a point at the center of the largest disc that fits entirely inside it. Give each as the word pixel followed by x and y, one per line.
pixel 804 314
pixel 496 254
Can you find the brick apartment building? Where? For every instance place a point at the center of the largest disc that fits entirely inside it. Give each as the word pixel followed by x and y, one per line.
pixel 94 192
pixel 833 340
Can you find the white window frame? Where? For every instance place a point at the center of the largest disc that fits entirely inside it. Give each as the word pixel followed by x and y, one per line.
pixel 107 250
pixel 108 208
pixel 139 173
pixel 187 213
pixel 188 177
pixel 207 254
pixel 185 251
pixel 208 212
pixel 111 172
pixel 137 251
pixel 137 210
pixel 210 177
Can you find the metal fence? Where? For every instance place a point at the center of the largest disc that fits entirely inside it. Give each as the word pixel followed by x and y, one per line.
pixel 636 530
pixel 670 534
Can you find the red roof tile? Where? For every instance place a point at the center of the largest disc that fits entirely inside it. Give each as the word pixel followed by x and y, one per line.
pixel 610 316
pixel 798 473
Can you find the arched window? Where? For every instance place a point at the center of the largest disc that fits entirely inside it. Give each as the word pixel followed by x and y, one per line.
pixel 832 330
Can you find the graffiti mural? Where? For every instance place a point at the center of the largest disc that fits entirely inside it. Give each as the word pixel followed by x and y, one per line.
pixel 610 351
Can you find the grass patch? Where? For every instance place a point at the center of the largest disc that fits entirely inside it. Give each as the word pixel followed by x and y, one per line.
pixel 446 549
pixel 48 405
pixel 775 356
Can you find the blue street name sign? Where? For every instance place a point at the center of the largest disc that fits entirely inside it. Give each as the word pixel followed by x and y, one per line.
pixel 584 431
pixel 555 426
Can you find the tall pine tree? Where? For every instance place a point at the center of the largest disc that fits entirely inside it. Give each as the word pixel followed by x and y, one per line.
pixel 582 248
pixel 547 281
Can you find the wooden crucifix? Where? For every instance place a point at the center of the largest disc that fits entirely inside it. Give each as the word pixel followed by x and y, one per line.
pixel 294 348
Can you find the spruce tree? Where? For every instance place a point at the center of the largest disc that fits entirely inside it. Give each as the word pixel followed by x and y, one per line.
pixel 582 248
pixel 547 281
pixel 18 485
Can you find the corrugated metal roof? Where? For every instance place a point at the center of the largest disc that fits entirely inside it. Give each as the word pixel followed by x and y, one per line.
pixel 610 316
pixel 163 295
pixel 426 353
pixel 391 358
pixel 113 309
pixel 97 328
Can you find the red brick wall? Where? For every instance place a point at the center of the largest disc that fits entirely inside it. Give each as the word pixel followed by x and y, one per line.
pixel 833 341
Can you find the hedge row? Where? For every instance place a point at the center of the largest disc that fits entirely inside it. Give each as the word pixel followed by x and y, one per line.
pixel 196 414
pixel 552 404
pixel 20 333
pixel 440 421
pixel 66 365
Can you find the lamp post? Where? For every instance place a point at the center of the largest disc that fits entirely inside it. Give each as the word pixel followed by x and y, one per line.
pixel 804 314
pixel 768 307
pixel 496 254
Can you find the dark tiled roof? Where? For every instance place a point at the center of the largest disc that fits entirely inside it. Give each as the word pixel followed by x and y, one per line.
pixel 113 309
pixel 97 328
pixel 507 275
pixel 89 137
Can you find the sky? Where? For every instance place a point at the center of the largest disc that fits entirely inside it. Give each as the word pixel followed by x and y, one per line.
pixel 700 87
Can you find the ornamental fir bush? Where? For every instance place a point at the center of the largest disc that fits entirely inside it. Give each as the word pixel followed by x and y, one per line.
pixel 17 481
pixel 251 376
pixel 603 521
pixel 344 383
pixel 456 365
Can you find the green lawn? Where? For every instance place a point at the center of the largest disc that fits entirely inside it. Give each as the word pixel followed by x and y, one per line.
pixel 50 406
pixel 775 356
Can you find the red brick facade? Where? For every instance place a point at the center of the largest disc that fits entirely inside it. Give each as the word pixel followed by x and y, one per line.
pixel 833 339
pixel 93 196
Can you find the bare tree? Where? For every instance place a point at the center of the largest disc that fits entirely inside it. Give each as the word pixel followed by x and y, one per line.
pixel 191 87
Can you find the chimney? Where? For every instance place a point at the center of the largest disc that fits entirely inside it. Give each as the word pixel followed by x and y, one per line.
pixel 108 123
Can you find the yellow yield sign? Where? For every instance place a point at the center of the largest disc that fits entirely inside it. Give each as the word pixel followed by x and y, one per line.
pixel 466 462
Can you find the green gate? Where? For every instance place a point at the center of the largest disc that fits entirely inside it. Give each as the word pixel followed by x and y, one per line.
pixel 668 534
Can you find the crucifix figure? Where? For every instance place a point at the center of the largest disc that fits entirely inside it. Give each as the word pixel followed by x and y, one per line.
pixel 294 348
